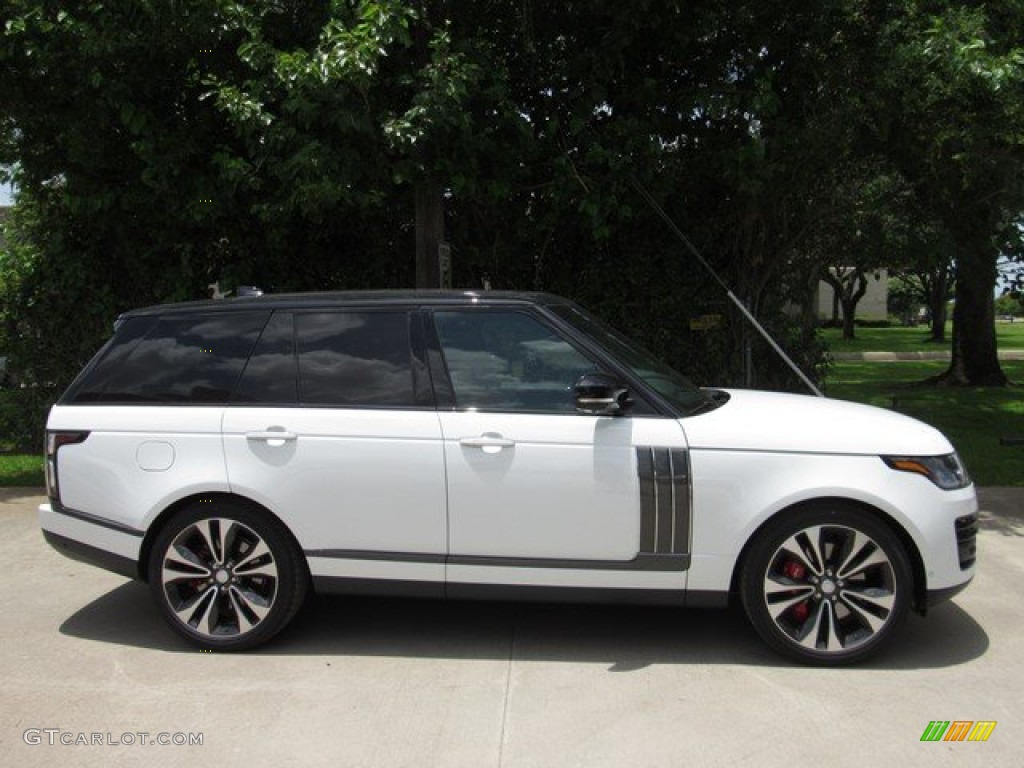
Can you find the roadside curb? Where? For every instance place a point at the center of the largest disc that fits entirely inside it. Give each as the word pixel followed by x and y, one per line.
pixel 14 493
pixel 889 357
pixel 1002 501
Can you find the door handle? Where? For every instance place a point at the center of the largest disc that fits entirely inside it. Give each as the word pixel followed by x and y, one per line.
pixel 272 436
pixel 490 442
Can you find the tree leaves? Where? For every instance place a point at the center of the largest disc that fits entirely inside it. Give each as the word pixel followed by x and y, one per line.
pixel 278 142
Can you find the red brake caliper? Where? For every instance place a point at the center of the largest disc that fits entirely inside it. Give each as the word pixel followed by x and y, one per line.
pixel 797 571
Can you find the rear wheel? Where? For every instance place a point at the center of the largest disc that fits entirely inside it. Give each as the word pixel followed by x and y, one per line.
pixel 225 576
pixel 827 584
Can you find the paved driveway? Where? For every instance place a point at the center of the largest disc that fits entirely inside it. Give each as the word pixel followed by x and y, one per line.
pixel 360 682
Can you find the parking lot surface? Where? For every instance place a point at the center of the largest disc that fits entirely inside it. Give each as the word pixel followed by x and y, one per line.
pixel 86 659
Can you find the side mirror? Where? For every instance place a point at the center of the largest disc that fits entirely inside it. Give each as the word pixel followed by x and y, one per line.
pixel 601 394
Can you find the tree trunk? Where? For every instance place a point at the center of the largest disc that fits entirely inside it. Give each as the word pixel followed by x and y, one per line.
pixel 849 316
pixel 809 304
pixel 429 234
pixel 429 194
pixel 848 289
pixel 938 290
pixel 938 324
pixel 975 359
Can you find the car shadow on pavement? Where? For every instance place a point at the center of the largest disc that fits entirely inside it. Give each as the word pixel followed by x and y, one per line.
pixel 626 638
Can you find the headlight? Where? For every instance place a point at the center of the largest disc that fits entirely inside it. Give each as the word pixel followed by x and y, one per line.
pixel 947 472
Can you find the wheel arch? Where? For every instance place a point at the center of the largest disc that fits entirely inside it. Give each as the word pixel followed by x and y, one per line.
pixel 146 550
pixel 920 596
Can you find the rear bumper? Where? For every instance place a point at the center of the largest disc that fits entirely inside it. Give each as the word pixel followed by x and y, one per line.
pixel 84 553
pixel 93 541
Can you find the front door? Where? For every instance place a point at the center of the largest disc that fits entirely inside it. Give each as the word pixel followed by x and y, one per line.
pixel 532 483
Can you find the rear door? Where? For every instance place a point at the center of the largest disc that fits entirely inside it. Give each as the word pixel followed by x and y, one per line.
pixel 333 428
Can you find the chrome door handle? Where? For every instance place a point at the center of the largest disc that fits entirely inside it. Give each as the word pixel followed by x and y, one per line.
pixel 271 435
pixel 487 440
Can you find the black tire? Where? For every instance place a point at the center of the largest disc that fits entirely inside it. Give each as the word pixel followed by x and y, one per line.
pixel 226 576
pixel 827 584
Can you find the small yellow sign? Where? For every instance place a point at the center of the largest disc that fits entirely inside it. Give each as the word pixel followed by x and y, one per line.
pixel 705 322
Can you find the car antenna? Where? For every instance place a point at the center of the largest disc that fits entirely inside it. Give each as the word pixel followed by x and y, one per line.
pixel 732 297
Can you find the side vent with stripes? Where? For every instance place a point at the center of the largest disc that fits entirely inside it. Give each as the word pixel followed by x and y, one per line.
pixel 664 500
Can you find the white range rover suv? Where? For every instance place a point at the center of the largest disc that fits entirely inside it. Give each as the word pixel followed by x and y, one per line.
pixel 235 454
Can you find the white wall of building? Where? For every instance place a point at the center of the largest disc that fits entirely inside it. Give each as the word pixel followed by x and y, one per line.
pixel 871 307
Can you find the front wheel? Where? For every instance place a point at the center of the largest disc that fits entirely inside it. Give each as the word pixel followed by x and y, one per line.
pixel 225 576
pixel 827 584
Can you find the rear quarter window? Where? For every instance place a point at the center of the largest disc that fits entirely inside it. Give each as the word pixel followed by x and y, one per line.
pixel 172 359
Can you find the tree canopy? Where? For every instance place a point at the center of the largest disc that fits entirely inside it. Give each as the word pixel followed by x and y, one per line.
pixel 160 146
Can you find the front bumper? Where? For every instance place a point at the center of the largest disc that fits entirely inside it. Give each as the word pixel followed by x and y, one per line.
pixel 939 596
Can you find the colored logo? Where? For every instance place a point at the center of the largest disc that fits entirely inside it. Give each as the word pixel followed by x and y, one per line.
pixel 958 730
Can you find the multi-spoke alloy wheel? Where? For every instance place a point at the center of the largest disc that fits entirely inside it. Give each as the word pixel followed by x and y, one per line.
pixel 225 576
pixel 827 585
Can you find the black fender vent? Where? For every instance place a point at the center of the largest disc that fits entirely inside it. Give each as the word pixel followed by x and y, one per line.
pixel 664 500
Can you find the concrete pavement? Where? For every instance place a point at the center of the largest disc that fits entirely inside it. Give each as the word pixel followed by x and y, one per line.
pixel 361 682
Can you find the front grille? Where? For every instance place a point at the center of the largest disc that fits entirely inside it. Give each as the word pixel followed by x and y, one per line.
pixel 966 540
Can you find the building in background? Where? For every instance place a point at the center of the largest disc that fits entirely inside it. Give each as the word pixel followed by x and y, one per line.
pixel 872 307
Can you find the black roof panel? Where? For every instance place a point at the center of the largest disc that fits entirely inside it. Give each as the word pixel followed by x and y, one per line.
pixel 351 298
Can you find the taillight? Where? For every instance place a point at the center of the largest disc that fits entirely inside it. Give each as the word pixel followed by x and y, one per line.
pixel 55 440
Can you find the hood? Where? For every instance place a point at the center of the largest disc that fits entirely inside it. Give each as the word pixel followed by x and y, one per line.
pixel 770 421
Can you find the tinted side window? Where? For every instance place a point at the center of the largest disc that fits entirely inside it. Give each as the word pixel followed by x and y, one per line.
pixel 270 376
pixel 89 385
pixel 183 359
pixel 509 361
pixel 355 358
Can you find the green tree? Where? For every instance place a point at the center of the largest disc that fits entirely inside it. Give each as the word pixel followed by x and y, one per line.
pixel 1010 304
pixel 170 145
pixel 865 227
pixel 929 276
pixel 953 106
pixel 50 318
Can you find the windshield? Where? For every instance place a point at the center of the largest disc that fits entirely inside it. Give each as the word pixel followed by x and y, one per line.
pixel 667 382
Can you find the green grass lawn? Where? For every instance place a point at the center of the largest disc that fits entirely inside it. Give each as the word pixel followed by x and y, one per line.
pixel 973 418
pixel 21 469
pixel 16 468
pixel 899 339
